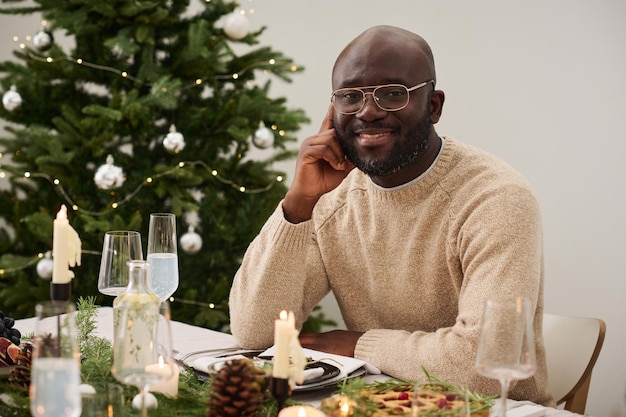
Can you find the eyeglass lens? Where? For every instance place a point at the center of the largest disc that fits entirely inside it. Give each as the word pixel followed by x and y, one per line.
pixel 387 97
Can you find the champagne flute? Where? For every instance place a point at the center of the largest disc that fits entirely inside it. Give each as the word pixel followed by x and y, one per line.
pixel 162 255
pixel 55 379
pixel 506 348
pixel 119 247
pixel 142 350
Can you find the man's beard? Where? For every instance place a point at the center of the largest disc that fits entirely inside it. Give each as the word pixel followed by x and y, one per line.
pixel 404 152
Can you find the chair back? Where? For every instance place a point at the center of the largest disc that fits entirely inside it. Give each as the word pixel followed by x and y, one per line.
pixel 572 348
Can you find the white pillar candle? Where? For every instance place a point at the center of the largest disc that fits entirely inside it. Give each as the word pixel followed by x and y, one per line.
pixel 301 411
pixel 282 341
pixel 169 386
pixel 66 246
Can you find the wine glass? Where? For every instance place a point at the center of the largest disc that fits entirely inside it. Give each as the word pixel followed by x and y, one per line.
pixel 119 247
pixel 142 349
pixel 162 255
pixel 506 348
pixel 55 372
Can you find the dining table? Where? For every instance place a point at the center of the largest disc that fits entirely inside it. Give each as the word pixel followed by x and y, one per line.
pixel 195 345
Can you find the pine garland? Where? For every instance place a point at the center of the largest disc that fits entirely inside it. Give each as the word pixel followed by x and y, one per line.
pixel 193 395
pixel 96 361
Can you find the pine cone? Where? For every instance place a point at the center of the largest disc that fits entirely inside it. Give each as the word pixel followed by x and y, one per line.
pixel 238 390
pixel 48 346
pixel 22 356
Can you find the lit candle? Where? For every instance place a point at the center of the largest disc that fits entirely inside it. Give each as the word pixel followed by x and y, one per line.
pixel 339 406
pixel 283 333
pixel 301 411
pixel 170 373
pixel 345 406
pixel 66 247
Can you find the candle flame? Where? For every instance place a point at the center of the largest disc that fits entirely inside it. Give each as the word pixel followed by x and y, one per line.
pixel 62 214
pixel 283 315
pixel 344 407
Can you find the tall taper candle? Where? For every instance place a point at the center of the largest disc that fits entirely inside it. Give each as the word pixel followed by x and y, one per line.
pixel 66 246
pixel 282 342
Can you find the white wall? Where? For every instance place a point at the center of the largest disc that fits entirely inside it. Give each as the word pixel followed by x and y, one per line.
pixel 539 83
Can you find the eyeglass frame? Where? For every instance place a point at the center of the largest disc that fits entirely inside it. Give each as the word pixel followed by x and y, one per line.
pixel 376 87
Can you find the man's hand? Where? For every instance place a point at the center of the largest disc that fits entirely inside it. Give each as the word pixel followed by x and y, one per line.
pixel 338 342
pixel 320 167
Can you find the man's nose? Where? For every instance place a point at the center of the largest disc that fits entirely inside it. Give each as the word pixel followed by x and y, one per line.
pixel 370 109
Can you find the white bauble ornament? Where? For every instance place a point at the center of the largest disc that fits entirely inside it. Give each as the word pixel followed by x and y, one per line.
pixel 151 402
pixel 174 141
pixel 45 266
pixel 191 242
pixel 86 389
pixel 42 40
pixel 236 26
pixel 11 100
pixel 263 137
pixel 109 176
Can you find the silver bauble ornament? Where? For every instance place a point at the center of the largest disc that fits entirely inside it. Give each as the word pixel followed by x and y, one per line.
pixel 236 26
pixel 11 100
pixel 263 137
pixel 42 40
pixel 191 242
pixel 174 141
pixel 45 266
pixel 109 176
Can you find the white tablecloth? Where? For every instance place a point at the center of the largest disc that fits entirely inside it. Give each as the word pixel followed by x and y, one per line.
pixel 189 339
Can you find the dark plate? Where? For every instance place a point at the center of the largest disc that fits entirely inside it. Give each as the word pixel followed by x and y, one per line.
pixel 330 371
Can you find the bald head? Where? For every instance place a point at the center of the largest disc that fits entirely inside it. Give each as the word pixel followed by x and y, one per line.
pixel 403 46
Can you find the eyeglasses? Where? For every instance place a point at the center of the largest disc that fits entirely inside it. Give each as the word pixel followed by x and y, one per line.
pixel 388 97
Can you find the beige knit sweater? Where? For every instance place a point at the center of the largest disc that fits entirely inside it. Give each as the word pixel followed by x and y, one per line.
pixel 411 267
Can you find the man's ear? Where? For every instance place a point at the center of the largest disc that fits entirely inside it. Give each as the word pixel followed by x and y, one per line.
pixel 437 97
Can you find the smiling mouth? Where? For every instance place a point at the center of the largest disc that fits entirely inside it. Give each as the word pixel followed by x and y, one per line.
pixel 370 139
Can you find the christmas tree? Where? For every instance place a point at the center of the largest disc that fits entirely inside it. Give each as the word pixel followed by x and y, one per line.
pixel 156 107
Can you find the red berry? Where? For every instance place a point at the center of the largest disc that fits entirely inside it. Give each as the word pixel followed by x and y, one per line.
pixel 403 396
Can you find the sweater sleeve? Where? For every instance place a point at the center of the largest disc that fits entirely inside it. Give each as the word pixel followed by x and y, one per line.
pixel 281 270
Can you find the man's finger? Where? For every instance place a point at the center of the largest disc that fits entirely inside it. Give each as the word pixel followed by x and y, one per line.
pixel 327 123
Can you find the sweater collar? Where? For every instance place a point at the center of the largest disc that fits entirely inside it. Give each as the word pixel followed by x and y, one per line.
pixel 419 178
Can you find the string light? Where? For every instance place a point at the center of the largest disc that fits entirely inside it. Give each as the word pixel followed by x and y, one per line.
pixel 124 74
pixel 192 302
pixel 32 261
pixel 149 180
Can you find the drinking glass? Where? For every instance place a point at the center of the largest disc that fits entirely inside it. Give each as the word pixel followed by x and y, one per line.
pixel 162 255
pixel 55 371
pixel 142 349
pixel 506 348
pixel 119 247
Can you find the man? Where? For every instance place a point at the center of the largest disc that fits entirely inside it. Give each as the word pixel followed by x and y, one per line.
pixel 411 242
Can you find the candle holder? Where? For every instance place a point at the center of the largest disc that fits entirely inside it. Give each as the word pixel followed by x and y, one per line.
pixel 280 390
pixel 60 292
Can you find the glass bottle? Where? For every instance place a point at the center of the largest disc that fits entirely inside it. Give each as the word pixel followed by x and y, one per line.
pixel 135 314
